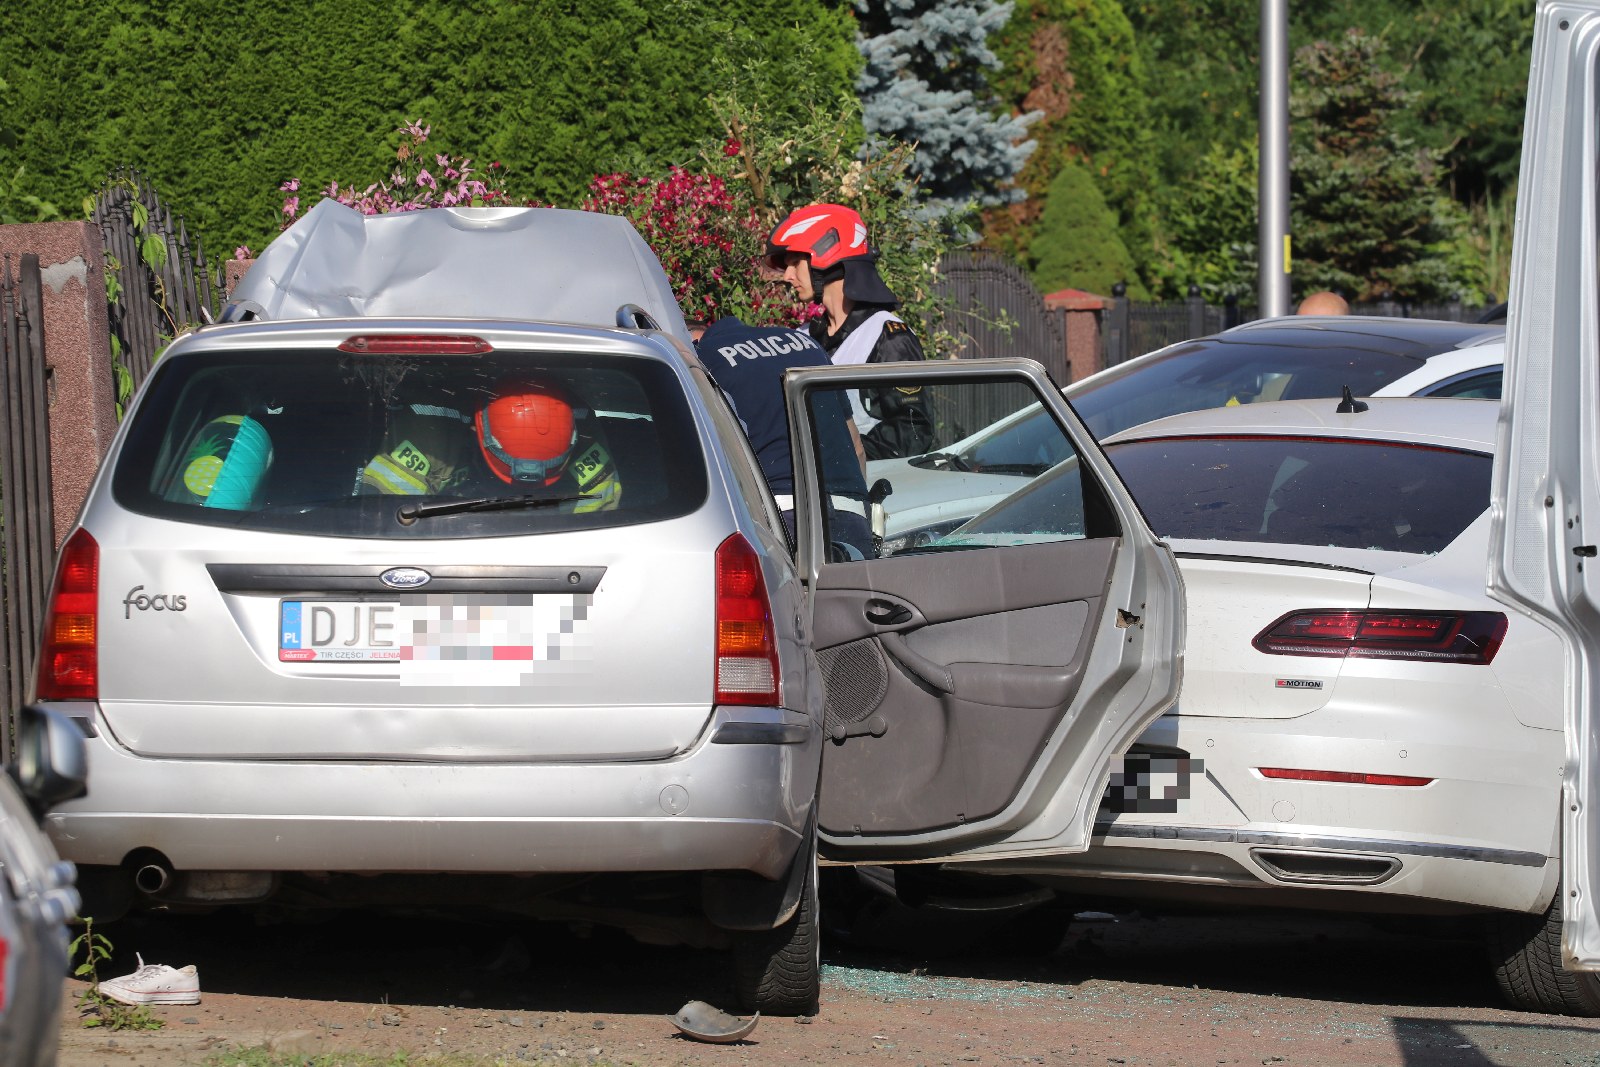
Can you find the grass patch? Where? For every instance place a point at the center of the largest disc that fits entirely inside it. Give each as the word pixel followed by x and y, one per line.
pixel 95 1008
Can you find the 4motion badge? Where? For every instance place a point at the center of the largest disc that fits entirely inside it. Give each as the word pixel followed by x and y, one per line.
pixel 1298 683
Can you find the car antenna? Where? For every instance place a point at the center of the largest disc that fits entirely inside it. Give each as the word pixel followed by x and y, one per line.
pixel 1350 405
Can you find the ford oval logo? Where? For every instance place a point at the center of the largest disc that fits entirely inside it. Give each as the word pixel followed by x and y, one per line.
pixel 405 577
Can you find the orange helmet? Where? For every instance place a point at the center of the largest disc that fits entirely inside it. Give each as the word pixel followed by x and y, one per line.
pixel 828 233
pixel 527 432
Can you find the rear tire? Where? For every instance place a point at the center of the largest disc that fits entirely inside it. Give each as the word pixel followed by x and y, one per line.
pixel 779 971
pixel 1526 951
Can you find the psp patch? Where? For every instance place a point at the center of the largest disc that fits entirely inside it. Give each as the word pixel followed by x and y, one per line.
pixel 1146 783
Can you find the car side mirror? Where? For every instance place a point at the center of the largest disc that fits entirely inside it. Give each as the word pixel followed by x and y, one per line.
pixel 52 762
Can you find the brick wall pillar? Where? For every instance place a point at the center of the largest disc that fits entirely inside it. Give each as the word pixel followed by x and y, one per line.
pixel 1085 351
pixel 77 350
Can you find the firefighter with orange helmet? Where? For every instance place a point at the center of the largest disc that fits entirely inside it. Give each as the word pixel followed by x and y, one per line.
pixel 530 435
pixel 823 253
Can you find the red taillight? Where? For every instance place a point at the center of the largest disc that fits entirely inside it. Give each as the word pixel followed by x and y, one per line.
pixel 68 651
pixel 1427 636
pixel 1349 777
pixel 747 650
pixel 421 344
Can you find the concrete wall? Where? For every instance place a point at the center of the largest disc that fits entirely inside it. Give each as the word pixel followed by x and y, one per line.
pixel 77 349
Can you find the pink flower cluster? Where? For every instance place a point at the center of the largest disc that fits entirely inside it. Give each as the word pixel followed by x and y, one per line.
pixel 411 186
pixel 708 243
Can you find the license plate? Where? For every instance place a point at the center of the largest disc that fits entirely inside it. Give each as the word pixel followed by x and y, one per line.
pixel 359 631
pixel 488 640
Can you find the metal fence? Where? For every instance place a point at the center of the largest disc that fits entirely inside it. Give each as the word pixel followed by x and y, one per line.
pixel 995 309
pixel 1133 329
pixel 163 283
pixel 27 541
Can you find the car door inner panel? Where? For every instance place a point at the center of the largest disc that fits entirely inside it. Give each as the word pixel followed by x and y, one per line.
pixel 946 675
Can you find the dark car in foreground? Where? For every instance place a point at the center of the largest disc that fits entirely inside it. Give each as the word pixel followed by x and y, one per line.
pixel 37 897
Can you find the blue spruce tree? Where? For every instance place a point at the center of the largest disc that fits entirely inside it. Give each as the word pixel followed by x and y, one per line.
pixel 924 82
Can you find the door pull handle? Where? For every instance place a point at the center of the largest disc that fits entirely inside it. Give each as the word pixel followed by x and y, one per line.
pixel 934 674
pixel 883 613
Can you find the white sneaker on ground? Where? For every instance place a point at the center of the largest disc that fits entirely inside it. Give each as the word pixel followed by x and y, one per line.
pixel 155 983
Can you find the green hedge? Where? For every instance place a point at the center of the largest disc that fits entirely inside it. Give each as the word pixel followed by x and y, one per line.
pixel 218 103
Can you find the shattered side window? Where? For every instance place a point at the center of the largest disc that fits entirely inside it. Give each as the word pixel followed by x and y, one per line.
pixel 1008 474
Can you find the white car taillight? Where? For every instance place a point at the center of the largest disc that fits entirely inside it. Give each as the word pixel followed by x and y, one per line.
pixel 69 665
pixel 747 653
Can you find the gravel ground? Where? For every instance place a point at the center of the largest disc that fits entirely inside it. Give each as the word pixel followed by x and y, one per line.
pixel 1240 989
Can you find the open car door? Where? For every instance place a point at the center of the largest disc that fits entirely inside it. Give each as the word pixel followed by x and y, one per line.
pixel 990 633
pixel 1546 509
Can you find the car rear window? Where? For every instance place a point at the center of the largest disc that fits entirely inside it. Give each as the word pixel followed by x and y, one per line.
pixel 1217 373
pixel 335 443
pixel 1306 491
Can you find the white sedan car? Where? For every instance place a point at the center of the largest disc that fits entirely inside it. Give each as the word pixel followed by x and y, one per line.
pixel 1293 358
pixel 1360 726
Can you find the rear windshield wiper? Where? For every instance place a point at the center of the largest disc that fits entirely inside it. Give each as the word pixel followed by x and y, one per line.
pixel 410 513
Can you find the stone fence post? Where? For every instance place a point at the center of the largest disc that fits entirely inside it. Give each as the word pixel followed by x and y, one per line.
pixel 82 390
pixel 1083 313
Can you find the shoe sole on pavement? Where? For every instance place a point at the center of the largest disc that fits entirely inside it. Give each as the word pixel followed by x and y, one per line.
pixel 169 997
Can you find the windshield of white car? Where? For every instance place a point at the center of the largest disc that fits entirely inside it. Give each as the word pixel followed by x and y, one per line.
pixel 1340 492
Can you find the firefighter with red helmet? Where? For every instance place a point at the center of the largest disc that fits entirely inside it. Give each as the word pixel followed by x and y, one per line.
pixel 530 436
pixel 824 255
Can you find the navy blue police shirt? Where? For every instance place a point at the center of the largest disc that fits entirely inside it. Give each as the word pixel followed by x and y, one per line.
pixel 747 363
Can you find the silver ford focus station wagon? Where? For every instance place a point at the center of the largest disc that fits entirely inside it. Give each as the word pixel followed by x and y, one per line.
pixel 447 571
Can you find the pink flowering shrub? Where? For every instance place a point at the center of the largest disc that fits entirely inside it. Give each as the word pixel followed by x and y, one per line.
pixel 416 182
pixel 708 243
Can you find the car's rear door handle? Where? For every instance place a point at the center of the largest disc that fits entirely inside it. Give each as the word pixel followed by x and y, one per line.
pixel 886 613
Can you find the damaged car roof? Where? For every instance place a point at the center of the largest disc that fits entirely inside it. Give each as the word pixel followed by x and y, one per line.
pixel 526 264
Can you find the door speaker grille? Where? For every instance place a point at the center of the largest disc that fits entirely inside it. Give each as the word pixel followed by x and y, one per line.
pixel 856 677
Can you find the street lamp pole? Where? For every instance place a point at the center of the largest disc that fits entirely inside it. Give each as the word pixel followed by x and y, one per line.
pixel 1272 186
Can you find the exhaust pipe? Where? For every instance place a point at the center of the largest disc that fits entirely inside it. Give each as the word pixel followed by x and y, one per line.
pixel 152 878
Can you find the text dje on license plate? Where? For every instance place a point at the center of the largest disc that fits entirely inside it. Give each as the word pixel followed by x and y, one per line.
pixel 362 630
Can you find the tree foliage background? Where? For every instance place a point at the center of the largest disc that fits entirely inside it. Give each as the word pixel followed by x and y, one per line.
pixel 925 83
pixel 1153 102
pixel 1158 99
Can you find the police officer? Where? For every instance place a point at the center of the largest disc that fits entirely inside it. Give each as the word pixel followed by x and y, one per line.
pixel 747 363
pixel 823 253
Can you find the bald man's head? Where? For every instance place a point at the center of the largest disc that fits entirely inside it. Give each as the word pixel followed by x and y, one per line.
pixel 1324 303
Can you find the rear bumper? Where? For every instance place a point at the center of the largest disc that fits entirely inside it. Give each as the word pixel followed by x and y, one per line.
pixel 1483 835
pixel 719 806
